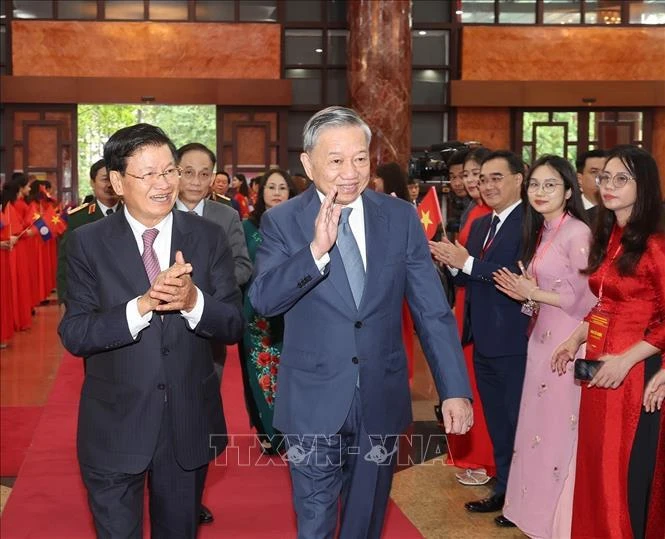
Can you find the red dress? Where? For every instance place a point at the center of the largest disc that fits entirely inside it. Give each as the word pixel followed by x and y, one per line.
pixel 605 490
pixel 474 449
pixel 21 261
pixel 6 285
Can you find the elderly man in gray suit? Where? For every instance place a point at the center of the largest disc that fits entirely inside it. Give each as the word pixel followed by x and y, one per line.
pixel 198 164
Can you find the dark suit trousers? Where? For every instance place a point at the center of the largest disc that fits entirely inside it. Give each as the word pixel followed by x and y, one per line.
pixel 351 465
pixel 116 499
pixel 499 381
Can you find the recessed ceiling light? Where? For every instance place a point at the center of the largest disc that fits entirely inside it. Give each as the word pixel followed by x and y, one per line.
pixel 422 33
pixel 318 50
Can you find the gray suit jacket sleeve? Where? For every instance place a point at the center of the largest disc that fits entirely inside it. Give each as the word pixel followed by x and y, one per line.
pixel 229 220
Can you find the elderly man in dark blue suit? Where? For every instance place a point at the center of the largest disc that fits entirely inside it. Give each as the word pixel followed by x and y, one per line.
pixel 493 321
pixel 148 289
pixel 338 261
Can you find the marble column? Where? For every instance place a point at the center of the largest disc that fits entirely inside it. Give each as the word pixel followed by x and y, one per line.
pixel 380 74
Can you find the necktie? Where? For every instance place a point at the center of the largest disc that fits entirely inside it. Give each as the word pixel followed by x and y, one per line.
pixel 490 236
pixel 495 223
pixel 149 256
pixel 353 262
pixel 109 211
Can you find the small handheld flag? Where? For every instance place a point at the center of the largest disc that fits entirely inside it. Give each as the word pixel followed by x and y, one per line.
pixel 429 212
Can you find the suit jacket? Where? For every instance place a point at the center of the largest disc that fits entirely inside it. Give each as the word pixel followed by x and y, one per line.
pixel 226 217
pixel 129 382
pixel 88 213
pixel 492 320
pixel 329 343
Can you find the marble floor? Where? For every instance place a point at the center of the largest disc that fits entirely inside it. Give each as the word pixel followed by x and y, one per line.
pixel 427 492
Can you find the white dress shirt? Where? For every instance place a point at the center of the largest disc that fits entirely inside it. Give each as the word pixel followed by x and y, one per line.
pixel 587 203
pixel 162 247
pixel 468 265
pixel 198 209
pixel 357 224
pixel 104 208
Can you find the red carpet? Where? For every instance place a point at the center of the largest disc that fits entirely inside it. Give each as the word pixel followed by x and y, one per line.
pixel 250 496
pixel 17 426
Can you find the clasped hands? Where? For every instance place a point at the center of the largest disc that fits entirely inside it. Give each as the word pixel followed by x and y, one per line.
pixel 448 253
pixel 518 287
pixel 172 290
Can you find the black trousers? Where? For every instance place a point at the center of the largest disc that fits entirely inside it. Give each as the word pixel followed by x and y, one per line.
pixel 116 499
pixel 642 462
pixel 500 381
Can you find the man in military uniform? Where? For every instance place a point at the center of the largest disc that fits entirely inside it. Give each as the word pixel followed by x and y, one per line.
pixel 219 188
pixel 105 202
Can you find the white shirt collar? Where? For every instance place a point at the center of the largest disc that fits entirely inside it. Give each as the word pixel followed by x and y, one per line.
pixel 105 208
pixel 505 213
pixel 587 203
pixel 138 228
pixel 198 209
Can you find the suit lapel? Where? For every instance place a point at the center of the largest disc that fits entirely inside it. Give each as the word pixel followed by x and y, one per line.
pixel 337 275
pixel 376 245
pixel 504 230
pixel 183 240
pixel 123 248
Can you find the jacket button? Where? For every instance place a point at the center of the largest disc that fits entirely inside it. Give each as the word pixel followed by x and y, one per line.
pixel 354 360
pixel 161 386
pixel 358 324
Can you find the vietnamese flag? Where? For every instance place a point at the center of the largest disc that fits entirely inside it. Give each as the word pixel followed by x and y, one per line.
pixel 429 212
pixel 53 220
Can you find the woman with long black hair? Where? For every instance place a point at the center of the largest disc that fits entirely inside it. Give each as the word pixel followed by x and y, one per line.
pixel 620 483
pixel 555 240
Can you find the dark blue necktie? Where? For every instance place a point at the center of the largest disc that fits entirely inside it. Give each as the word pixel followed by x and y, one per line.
pixel 490 237
pixel 353 262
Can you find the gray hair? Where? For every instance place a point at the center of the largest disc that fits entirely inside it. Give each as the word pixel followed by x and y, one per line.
pixel 332 117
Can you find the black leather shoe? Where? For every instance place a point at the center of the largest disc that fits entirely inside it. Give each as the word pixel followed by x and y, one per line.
pixel 503 522
pixel 487 505
pixel 205 516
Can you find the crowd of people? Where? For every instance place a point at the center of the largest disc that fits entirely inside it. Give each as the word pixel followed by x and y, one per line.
pixel 557 269
pixel 549 370
pixel 30 222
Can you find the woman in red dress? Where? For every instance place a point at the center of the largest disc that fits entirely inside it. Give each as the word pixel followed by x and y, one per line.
pixel 20 257
pixel 241 195
pixel 620 486
pixel 472 450
pixel 7 241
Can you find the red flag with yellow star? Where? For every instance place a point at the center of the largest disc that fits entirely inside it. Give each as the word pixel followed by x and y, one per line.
pixel 429 212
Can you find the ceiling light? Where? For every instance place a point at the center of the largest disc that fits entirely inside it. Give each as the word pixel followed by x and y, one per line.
pixel 422 33
pixel 318 50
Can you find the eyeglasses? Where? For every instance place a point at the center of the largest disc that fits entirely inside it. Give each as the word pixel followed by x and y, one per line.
pixel 170 174
pixel 619 180
pixel 548 187
pixel 190 174
pixel 491 179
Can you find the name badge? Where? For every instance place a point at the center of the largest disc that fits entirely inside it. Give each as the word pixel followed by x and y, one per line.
pixel 599 323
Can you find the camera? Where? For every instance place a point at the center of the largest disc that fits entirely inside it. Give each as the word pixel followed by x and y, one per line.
pixel 432 167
